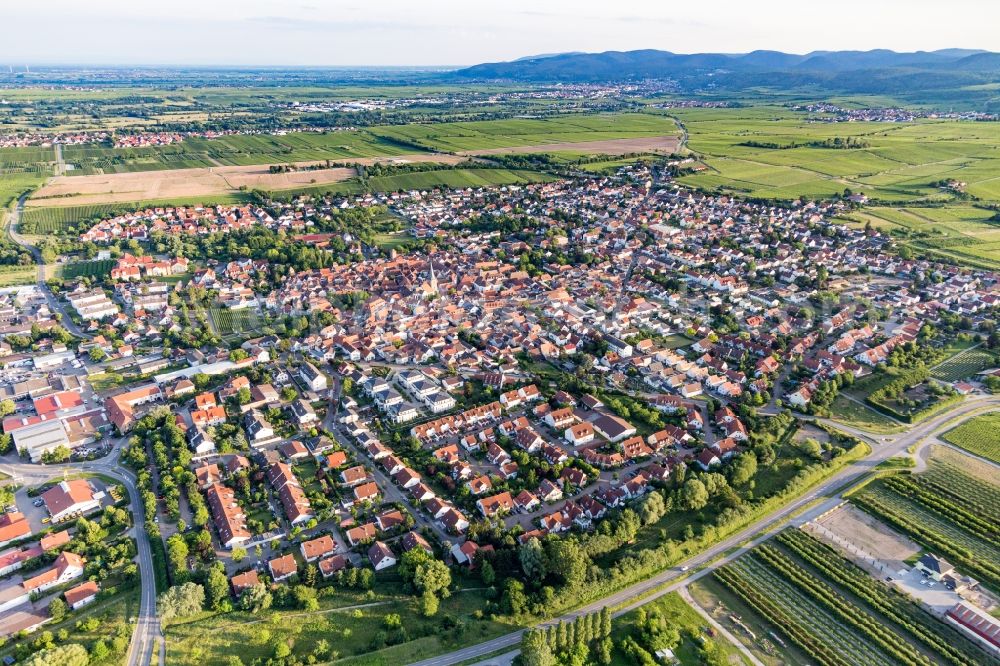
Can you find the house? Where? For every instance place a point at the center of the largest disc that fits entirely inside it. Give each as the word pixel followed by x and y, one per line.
pixel 454 521
pixel 479 485
pixel 573 476
pixel 314 549
pixel 312 377
pixel 13 526
pixel 227 515
pixel 282 568
pixel 82 594
pixel 294 450
pixel 361 534
pixel 581 433
pixel 304 413
pixel 367 492
pixel 389 519
pixel 67 566
pixel 526 502
pixel 244 581
pixel 495 505
pixel 413 540
pixel 549 491
pixel 935 567
pixel 613 428
pixel 381 556
pixel 69 498
pixel 465 553
pixel 332 565
pixel 336 459
pixel 707 459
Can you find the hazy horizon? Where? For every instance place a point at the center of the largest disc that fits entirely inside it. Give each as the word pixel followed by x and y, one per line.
pixel 448 33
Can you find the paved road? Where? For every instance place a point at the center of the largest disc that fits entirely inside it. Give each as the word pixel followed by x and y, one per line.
pixel 392 492
pixel 823 498
pixel 147 631
pixel 54 303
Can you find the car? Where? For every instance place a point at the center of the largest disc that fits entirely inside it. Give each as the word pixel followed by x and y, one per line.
pixel 46 520
pixel 12 508
pixel 38 502
pixel 685 568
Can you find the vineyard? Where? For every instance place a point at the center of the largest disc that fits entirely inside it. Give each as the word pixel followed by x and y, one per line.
pixel 979 435
pixel 234 322
pixel 963 365
pixel 957 521
pixel 17 275
pixel 97 268
pixel 836 613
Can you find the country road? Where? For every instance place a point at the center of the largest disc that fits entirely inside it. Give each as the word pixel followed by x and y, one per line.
pixel 147 630
pixel 821 499
pixel 54 303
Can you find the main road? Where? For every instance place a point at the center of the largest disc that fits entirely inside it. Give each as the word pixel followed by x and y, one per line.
pixel 821 499
pixel 147 630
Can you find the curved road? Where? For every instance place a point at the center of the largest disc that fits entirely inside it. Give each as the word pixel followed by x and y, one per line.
pixel 823 498
pixel 147 630
pixel 54 304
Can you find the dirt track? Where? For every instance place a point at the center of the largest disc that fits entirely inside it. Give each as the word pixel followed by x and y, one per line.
pixel 202 181
pixel 645 144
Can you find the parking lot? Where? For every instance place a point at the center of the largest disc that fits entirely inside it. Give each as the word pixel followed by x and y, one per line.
pixel 935 595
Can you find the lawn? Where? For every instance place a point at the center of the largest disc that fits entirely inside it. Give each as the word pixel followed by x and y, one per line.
pixel 979 435
pixel 856 415
pixel 688 622
pixel 11 276
pixel 353 632
pixel 99 268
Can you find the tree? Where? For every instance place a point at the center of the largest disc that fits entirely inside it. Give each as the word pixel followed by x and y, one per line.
pixel 514 601
pixel 487 573
pixel 72 654
pixel 239 554
pixel 255 599
pixel 566 559
pixel 535 651
pixel 532 558
pixel 7 407
pixel 97 354
pixel 652 509
pixel 695 494
pixel 429 604
pixel 58 609
pixel 217 588
pixel 743 469
pixel 433 577
pixel 243 396
pixel 181 601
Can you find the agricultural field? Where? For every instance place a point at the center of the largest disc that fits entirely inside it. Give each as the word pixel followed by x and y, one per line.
pixel 99 268
pixel 235 322
pixel 963 365
pixel 827 611
pixel 568 133
pixel 12 276
pixel 979 435
pixel 947 511
pixel 772 152
pixel 958 233
pixel 61 219
pixel 857 415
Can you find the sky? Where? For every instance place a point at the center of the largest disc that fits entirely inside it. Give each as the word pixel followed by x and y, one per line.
pixel 465 32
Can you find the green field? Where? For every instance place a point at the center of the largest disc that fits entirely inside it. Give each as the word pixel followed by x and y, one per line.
pixel 11 276
pixel 859 416
pixel 381 141
pixel 979 435
pixel 963 365
pixel 899 161
pixel 422 180
pixel 97 268
pixel 676 613
pixel 484 135
pixel 234 322
pixel 827 611
pixel 44 220
pixel 947 510
pixel 959 233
